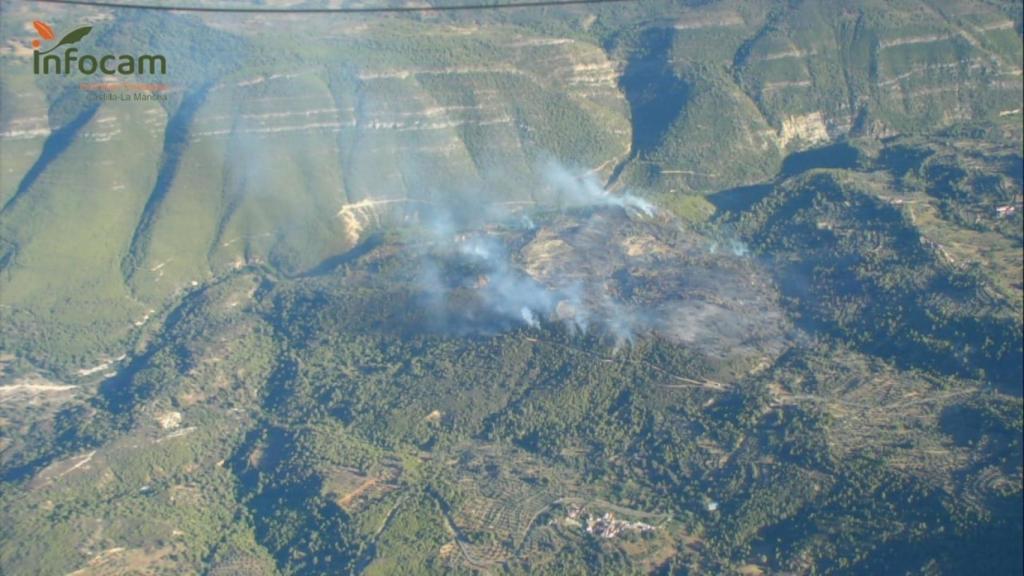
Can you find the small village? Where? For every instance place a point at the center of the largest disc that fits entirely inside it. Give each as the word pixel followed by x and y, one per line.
pixel 605 526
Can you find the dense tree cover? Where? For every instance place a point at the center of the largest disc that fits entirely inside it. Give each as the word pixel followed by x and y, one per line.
pixel 329 426
pixel 854 265
pixel 287 407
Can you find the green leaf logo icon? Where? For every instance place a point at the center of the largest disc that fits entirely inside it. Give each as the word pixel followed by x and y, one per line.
pixel 71 38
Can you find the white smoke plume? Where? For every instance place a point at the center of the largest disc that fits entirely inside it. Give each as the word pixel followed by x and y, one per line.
pixel 584 190
pixel 503 292
pixel 602 265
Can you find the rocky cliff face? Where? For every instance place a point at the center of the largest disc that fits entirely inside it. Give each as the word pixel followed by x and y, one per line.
pixel 282 163
pixel 287 144
pixel 766 80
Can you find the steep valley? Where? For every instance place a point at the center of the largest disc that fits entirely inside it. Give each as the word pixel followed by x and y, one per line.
pixel 646 287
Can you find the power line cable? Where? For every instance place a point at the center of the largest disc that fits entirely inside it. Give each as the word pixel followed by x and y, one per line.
pixel 342 10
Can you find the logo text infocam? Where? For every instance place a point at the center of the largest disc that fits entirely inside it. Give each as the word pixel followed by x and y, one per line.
pixel 69 60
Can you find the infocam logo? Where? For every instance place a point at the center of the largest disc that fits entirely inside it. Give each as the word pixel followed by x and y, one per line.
pixel 48 62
